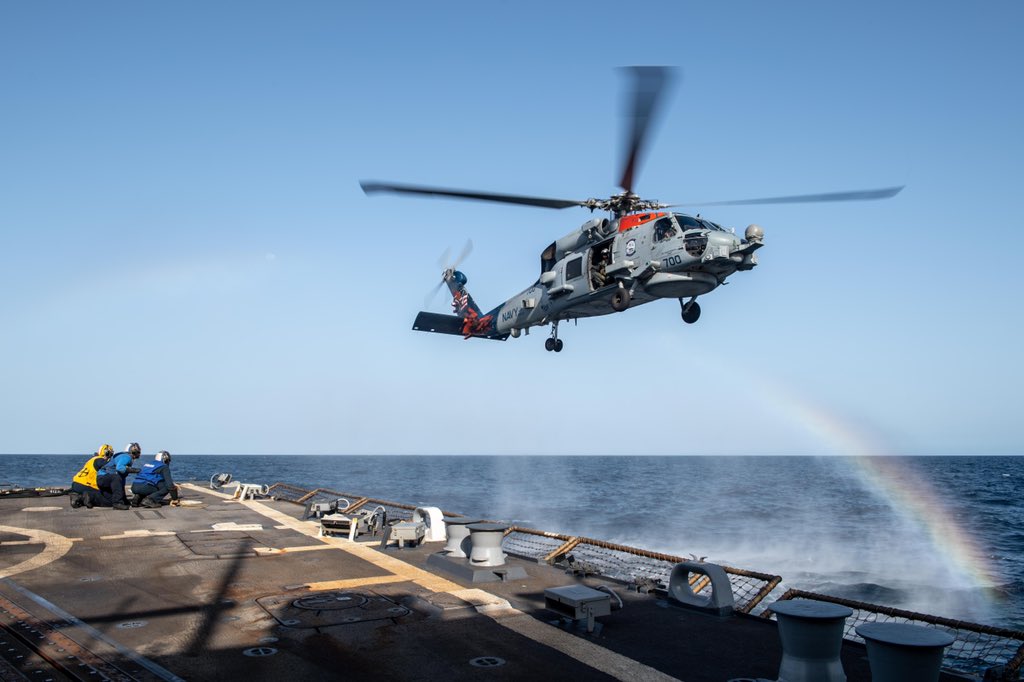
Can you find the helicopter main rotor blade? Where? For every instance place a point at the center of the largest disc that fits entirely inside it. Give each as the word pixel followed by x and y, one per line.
pixel 649 83
pixel 859 195
pixel 375 187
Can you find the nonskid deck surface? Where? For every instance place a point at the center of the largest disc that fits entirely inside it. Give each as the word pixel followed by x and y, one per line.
pixel 230 590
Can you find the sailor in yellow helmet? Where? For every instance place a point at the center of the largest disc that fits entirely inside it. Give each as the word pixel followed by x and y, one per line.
pixel 85 486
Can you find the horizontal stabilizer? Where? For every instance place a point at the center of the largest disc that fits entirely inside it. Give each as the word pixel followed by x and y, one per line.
pixel 448 324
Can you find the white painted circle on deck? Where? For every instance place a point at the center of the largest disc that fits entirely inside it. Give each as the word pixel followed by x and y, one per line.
pixel 55 546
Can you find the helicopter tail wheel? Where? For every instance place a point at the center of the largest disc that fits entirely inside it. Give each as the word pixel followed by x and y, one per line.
pixel 549 344
pixel 620 299
pixel 558 345
pixel 691 312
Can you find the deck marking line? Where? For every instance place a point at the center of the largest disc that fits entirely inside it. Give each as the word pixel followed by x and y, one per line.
pixel 139 533
pixel 55 547
pixel 149 665
pixel 292 550
pixel 353 583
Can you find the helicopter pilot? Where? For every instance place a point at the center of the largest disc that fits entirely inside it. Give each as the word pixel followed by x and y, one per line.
pixel 664 229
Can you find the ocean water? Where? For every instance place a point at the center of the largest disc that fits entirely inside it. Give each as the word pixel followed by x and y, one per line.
pixel 939 535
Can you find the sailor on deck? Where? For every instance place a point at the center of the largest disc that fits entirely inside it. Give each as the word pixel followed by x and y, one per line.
pixel 85 487
pixel 154 481
pixel 114 474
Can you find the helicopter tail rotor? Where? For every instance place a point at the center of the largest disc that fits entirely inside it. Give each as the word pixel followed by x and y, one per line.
pixel 448 270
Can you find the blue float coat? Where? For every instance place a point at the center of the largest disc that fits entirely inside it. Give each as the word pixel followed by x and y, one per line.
pixel 119 464
pixel 153 473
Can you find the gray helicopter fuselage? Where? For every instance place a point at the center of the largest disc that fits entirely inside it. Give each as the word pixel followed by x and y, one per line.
pixel 652 255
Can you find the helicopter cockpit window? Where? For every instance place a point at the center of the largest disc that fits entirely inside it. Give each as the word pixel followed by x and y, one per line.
pixel 664 229
pixel 688 222
pixel 707 224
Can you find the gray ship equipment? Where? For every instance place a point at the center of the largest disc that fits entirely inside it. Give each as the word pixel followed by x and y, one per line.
pixel 249 491
pixel 406 533
pixel 901 652
pixel 578 603
pixel 433 519
pixel 319 510
pixel 812 635
pixel 218 481
pixel 457 530
pixel 361 522
pixel 486 560
pixel 683 578
pixel 485 540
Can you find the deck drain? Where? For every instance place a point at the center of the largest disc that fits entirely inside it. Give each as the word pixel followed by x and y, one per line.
pixel 128 625
pixel 487 661
pixel 258 651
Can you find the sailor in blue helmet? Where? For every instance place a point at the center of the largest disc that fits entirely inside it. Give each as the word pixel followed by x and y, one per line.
pixel 114 474
pixel 154 481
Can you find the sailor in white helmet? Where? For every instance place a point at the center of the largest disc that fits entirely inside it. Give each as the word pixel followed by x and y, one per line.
pixel 154 482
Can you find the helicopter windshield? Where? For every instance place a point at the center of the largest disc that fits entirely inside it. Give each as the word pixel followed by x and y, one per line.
pixel 690 223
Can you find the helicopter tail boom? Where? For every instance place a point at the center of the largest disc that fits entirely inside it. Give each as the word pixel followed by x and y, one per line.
pixel 471 326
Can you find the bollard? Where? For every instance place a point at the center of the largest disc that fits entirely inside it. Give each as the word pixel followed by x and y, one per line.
pixel 485 539
pixel 812 635
pixel 456 528
pixel 901 652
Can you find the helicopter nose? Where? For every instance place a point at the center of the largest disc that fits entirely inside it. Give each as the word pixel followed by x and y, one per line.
pixel 721 245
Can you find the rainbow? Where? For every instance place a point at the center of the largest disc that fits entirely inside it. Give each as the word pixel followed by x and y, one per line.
pixel 908 493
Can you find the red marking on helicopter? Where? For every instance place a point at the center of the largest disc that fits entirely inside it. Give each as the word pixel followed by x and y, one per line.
pixel 630 221
pixel 474 325
pixel 460 302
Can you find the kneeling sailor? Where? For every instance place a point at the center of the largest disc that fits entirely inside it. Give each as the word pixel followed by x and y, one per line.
pixel 154 481
pixel 85 487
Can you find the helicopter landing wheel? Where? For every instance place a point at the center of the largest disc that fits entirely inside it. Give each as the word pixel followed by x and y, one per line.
pixel 620 299
pixel 691 312
pixel 553 344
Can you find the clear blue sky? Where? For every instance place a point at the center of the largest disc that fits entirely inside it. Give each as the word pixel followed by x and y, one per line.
pixel 189 261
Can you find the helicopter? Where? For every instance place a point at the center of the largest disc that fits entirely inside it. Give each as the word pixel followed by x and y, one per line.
pixel 638 253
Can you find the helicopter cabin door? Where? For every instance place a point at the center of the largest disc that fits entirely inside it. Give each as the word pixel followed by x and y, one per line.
pixel 598 258
pixel 571 270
